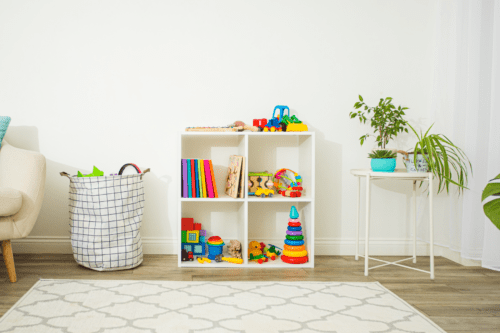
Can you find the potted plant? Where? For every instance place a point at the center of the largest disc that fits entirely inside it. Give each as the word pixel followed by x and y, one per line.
pixel 437 154
pixel 386 120
pixel 383 160
pixel 492 205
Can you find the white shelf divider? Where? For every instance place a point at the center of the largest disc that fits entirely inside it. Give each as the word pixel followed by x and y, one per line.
pixel 208 145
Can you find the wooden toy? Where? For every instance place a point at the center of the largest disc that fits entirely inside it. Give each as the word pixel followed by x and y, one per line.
pixel 244 126
pixel 233 260
pixel 259 179
pixel 234 248
pixel 214 129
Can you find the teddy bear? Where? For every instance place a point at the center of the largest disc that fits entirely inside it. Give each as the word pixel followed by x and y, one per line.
pixel 234 248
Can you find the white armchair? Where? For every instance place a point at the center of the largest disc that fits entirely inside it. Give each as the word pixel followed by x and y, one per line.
pixel 22 185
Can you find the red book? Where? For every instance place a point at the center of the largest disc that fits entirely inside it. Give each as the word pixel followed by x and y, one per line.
pixel 193 177
pixel 208 177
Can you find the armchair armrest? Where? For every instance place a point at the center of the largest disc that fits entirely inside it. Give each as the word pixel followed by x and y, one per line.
pixel 25 171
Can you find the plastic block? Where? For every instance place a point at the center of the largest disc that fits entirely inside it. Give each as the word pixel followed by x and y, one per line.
pixel 183 236
pixel 203 232
pixel 197 226
pixel 187 223
pixel 203 239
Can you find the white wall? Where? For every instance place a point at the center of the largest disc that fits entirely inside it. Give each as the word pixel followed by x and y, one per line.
pixel 105 83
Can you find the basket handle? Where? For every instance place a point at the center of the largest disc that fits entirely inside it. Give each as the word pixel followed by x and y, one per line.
pixel 129 164
pixel 65 174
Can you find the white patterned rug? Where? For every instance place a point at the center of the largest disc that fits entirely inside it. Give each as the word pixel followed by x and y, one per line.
pixel 88 306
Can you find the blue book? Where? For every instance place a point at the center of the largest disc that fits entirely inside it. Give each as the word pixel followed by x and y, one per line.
pixel 189 177
pixel 197 176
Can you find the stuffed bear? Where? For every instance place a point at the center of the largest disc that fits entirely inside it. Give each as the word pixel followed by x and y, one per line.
pixel 234 248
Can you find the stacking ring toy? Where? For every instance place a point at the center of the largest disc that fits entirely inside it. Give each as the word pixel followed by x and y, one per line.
pixel 294 242
pixel 294 237
pixel 295 253
pixel 293 260
pixel 294 224
pixel 293 233
pixel 293 220
pixel 295 248
pixel 294 228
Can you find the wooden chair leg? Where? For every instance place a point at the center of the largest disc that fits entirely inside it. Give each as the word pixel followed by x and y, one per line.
pixel 8 258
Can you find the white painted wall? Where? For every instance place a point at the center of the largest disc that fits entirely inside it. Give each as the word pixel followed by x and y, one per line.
pixel 111 82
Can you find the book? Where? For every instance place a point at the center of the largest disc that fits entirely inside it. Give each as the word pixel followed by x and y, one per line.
pixel 204 182
pixel 193 180
pixel 216 195
pixel 208 178
pixel 197 177
pixel 233 176
pixel 184 179
pixel 189 192
pixel 200 183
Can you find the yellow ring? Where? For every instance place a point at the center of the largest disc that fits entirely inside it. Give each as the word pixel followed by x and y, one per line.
pixel 295 253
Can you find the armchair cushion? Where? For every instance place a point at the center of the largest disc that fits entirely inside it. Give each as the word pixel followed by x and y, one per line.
pixel 11 201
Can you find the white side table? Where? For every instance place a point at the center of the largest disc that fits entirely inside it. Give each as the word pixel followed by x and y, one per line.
pixel 399 174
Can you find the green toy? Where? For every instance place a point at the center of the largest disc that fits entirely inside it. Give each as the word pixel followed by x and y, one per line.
pixel 95 173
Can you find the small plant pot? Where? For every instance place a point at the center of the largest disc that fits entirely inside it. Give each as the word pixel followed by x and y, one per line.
pixel 422 165
pixel 383 164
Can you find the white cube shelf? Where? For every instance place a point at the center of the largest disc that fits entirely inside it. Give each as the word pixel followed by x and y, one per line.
pixel 250 218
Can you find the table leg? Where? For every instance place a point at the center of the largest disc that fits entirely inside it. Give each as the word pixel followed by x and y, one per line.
pixel 367 231
pixel 414 221
pixel 431 227
pixel 357 220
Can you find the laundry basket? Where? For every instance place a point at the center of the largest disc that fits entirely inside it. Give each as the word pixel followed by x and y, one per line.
pixel 105 220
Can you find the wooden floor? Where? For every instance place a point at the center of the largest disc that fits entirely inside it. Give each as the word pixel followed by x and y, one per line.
pixel 460 299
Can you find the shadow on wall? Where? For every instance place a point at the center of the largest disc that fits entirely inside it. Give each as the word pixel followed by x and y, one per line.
pixel 328 186
pixel 53 220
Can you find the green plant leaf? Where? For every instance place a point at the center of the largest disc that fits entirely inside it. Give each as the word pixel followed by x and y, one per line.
pixel 491 189
pixel 492 211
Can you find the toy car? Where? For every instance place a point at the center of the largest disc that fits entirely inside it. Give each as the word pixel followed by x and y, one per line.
pixel 275 124
pixel 262 192
pixel 187 256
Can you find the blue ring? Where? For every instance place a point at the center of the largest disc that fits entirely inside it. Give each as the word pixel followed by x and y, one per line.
pixel 294 243
pixel 295 228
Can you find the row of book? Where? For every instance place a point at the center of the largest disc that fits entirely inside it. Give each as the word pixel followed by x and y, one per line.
pixel 198 179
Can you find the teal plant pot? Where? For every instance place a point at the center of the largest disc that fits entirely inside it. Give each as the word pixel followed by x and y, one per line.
pixel 383 164
pixel 422 165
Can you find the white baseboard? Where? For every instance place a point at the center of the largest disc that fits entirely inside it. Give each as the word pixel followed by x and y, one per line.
pixel 323 246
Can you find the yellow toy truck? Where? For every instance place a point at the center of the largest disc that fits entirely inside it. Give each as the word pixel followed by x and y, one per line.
pixel 262 192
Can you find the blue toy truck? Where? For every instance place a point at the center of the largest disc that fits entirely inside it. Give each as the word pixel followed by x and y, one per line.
pixel 275 123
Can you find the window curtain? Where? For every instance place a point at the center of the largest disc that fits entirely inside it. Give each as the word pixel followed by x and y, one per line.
pixel 465 106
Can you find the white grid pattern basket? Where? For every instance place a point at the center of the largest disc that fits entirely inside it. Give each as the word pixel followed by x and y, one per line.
pixel 105 220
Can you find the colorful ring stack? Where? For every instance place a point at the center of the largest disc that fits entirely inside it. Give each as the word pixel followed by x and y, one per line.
pixel 294 251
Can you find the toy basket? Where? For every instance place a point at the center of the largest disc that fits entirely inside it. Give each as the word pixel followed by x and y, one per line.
pixel 105 220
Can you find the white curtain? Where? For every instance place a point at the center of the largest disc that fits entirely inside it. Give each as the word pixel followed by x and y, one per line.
pixel 466 107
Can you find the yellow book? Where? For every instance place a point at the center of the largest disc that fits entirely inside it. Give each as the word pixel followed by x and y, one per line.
pixel 204 182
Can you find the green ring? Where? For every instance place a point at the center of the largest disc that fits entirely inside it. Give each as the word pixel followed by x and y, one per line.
pixel 294 237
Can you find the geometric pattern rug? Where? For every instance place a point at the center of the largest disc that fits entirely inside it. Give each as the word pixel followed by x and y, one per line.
pixel 90 306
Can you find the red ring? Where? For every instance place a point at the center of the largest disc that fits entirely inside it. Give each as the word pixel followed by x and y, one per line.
pixel 294 224
pixel 297 260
